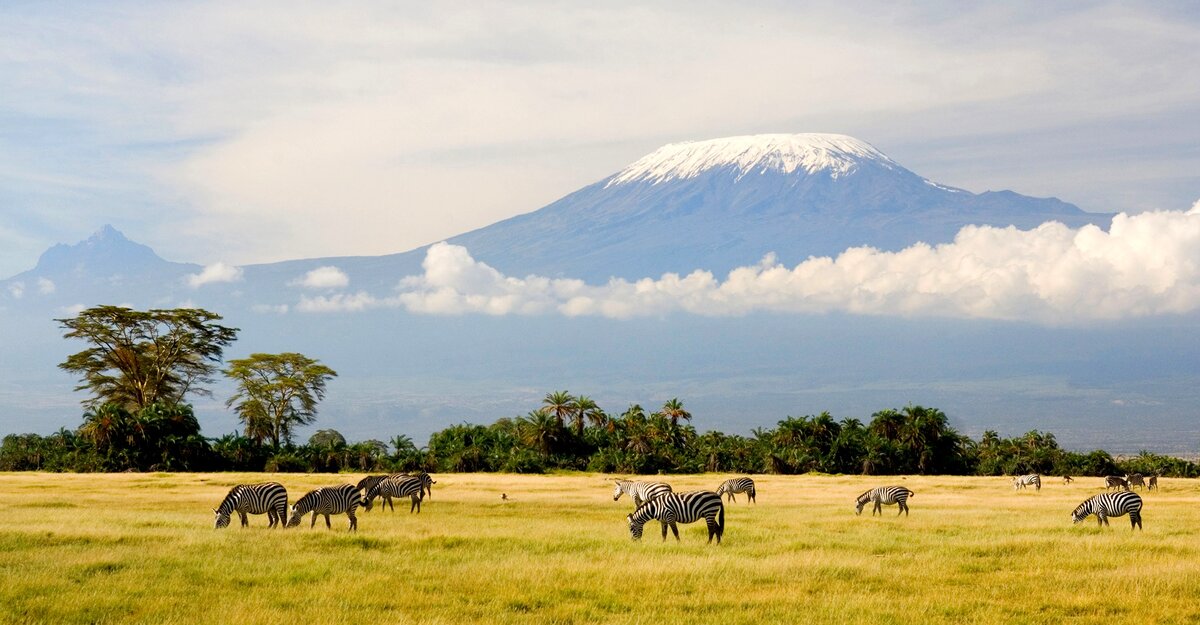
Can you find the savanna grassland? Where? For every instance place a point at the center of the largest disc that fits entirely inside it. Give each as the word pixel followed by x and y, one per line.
pixel 114 548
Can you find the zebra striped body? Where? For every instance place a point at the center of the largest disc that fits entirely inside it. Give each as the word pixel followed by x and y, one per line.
pixel 1026 480
pixel 340 499
pixel 1152 483
pixel 1116 482
pixel 1107 505
pixel 884 495
pixel 641 492
pixel 409 486
pixel 737 485
pixel 672 508
pixel 268 498
pixel 366 483
pixel 1137 479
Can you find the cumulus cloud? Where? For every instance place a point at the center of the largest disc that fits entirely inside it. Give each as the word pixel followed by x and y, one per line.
pixel 328 277
pixel 45 286
pixel 1144 265
pixel 16 290
pixel 216 272
pixel 278 309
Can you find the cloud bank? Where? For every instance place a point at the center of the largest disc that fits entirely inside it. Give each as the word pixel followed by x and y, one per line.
pixel 1144 265
pixel 328 277
pixel 216 272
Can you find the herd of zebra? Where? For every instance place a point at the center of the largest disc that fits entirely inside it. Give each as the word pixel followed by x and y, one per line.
pixel 651 500
pixel 270 498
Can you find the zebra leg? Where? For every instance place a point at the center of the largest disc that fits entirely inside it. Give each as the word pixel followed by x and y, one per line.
pixel 878 508
pixel 752 497
pixel 270 519
pixel 713 529
pixel 902 507
pixel 245 521
pixel 674 530
pixel 353 520
pixel 416 504
pixel 391 505
pixel 314 520
pixel 664 530
pixel 1135 520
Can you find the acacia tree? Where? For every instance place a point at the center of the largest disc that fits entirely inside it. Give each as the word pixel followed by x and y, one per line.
pixel 276 393
pixel 140 358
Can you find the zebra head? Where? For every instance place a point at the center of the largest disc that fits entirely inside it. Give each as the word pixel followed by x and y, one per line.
pixel 723 488
pixel 1080 513
pixel 295 518
pixel 1016 482
pixel 635 527
pixel 222 519
pixel 618 489
pixel 861 501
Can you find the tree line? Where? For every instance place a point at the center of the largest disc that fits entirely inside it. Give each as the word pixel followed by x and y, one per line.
pixel 140 366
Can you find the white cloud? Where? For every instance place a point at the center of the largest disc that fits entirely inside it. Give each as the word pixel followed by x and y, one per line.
pixel 16 289
pixel 72 310
pixel 45 286
pixel 216 272
pixel 1146 264
pixel 280 309
pixel 328 277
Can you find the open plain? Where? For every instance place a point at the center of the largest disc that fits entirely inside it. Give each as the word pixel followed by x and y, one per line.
pixel 141 548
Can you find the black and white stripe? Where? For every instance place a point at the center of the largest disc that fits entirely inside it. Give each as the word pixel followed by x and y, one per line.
pixel 884 495
pixel 427 481
pixel 672 508
pixel 1022 481
pixel 268 498
pixel 408 486
pixel 1116 482
pixel 340 499
pixel 737 485
pixel 641 492
pixel 1136 479
pixel 1107 505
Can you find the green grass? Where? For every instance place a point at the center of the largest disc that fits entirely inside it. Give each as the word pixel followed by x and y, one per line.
pixel 141 548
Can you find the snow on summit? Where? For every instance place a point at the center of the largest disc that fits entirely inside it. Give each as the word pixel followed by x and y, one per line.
pixel 840 155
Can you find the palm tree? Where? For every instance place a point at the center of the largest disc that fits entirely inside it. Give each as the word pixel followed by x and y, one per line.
pixel 675 411
pixel 587 410
pixel 561 404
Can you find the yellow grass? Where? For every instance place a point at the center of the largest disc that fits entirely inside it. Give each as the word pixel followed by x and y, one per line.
pixel 141 548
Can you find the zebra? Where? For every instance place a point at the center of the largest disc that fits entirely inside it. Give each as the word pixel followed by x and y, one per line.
pixel 1107 505
pixel 737 485
pixel 1116 482
pixel 672 508
pixel 1025 480
pixel 641 492
pixel 268 497
pixel 343 498
pixel 366 483
pixel 410 486
pixel 1067 479
pixel 885 495
pixel 1136 479
pixel 1152 483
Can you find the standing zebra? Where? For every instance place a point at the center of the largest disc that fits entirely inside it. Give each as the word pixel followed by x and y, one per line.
pixel 1107 505
pixel 268 497
pixel 340 499
pixel 427 481
pixel 1026 480
pixel 737 485
pixel 1116 482
pixel 410 486
pixel 1136 479
pixel 672 508
pixel 641 492
pixel 885 495
pixel 1152 483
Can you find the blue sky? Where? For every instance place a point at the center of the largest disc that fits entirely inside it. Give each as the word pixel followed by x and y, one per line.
pixel 220 132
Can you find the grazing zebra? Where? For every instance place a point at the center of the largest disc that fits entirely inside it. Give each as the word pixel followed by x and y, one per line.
pixel 1026 480
pixel 343 498
pixel 672 508
pixel 1116 482
pixel 1107 505
pixel 737 485
pixel 885 495
pixel 1152 483
pixel 268 497
pixel 410 486
pixel 1067 479
pixel 1137 479
pixel 641 492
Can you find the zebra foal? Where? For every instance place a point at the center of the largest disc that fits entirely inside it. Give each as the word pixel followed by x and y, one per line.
pixel 268 497
pixel 673 508
pixel 1026 480
pixel 640 492
pixel 340 499
pixel 884 495
pixel 737 485
pixel 1107 505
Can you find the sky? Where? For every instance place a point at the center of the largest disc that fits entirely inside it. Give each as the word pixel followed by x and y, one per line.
pixel 225 133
